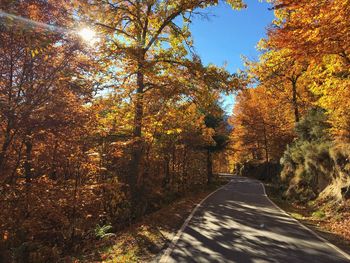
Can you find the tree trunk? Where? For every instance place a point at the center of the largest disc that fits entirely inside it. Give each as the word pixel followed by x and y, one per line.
pixel 28 161
pixel 266 151
pixel 209 167
pixel 74 212
pixel 295 101
pixel 184 167
pixel 136 153
pixel 166 182
pixel 53 173
pixel 12 178
pixel 139 104
pixel 5 146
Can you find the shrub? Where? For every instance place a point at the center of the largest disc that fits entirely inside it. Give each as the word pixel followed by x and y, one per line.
pixel 307 163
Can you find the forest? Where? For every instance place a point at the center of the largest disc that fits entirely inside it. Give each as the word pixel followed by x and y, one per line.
pixel 108 114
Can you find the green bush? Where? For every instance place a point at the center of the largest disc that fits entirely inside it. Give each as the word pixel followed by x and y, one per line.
pixel 104 231
pixel 314 162
pixel 307 163
pixel 319 214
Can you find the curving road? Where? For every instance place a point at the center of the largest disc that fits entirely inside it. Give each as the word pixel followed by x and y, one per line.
pixel 238 223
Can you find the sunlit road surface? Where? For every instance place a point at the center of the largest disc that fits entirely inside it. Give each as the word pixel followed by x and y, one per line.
pixel 239 224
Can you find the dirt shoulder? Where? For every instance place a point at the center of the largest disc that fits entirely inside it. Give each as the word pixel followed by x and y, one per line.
pixel 331 223
pixel 146 240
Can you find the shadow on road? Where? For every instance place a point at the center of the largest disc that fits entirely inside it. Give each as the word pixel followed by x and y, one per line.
pixel 239 224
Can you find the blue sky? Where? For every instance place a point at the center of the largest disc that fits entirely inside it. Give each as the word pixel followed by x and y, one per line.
pixel 228 34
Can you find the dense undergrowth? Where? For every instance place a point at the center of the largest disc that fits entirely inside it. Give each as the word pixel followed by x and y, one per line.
pixel 314 166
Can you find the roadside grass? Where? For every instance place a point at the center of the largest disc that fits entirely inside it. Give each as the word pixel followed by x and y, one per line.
pixel 150 236
pixel 319 214
pixel 329 221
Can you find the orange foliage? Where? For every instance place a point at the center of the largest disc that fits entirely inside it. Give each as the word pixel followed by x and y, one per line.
pixel 262 126
pixel 319 32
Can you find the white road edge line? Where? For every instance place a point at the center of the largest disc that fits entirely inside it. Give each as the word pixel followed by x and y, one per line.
pixel 171 247
pixel 347 256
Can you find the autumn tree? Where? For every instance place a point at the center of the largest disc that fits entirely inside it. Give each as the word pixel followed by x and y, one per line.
pixel 37 73
pixel 262 126
pixel 45 87
pixel 148 45
pixel 319 33
pixel 278 71
pixel 330 82
pixel 312 29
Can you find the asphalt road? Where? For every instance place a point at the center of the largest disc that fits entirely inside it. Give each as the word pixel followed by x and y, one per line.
pixel 238 223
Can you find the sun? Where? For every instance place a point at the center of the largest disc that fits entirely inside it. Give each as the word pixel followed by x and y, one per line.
pixel 88 35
